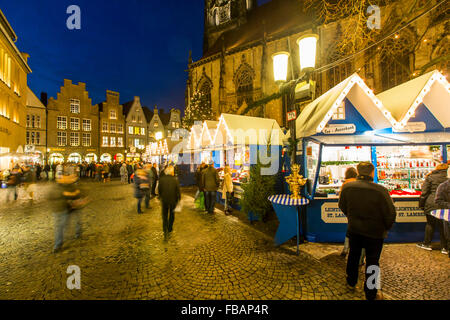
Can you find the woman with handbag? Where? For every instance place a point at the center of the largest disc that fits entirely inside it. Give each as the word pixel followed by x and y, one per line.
pixel 427 203
pixel 227 189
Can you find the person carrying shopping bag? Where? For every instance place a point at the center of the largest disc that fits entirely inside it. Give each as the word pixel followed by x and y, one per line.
pixel 227 189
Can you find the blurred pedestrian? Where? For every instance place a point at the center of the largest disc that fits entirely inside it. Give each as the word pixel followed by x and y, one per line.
pixel 68 202
pixel 14 180
pixel 59 171
pixel 350 175
pixel 130 171
pixel 427 203
pixel 155 179
pixel 211 182
pixel 47 170
pixel 199 180
pixel 371 213
pixel 141 189
pixel 169 194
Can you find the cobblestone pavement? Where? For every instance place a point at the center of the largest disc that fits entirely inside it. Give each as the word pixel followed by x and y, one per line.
pixel 122 255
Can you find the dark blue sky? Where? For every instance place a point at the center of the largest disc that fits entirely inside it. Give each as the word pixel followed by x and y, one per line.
pixel 136 47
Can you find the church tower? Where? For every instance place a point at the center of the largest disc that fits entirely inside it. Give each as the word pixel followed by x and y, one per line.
pixel 224 15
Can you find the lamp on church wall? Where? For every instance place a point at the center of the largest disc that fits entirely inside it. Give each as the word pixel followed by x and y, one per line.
pixel 307 48
pixel 280 66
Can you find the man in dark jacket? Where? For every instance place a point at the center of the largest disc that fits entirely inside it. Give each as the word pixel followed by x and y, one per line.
pixel 427 203
pixel 198 180
pixel 169 194
pixel 130 171
pixel 442 201
pixel 155 179
pixel 370 213
pixel 210 182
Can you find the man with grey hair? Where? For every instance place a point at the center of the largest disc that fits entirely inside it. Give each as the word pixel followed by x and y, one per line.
pixel 371 213
pixel 169 193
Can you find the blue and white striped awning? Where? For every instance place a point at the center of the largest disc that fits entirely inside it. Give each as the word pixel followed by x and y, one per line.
pixel 286 200
pixel 442 214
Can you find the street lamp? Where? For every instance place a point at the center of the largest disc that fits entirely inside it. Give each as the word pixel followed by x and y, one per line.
pixel 307 45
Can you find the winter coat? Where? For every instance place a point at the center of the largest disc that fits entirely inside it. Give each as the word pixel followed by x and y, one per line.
pixel 155 174
pixel 210 179
pixel 432 182
pixel 139 183
pixel 442 199
pixel 123 170
pixel 169 190
pixel 130 169
pixel 369 208
pixel 198 179
pixel 227 185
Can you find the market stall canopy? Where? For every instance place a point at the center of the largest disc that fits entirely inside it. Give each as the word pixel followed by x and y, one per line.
pixel 208 133
pixel 431 89
pixel 316 115
pixel 194 141
pixel 243 130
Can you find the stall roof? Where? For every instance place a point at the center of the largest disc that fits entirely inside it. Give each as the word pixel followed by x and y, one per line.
pixel 194 136
pixel 385 139
pixel 431 89
pixel 208 132
pixel 237 129
pixel 316 115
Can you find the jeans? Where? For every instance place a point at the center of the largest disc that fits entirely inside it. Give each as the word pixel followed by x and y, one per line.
pixel 432 223
pixel 61 221
pixel 139 202
pixel 210 201
pixel 347 247
pixel 168 217
pixel 227 201
pixel 147 198
pixel 373 252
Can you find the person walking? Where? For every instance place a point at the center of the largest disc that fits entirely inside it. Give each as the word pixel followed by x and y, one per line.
pixel 53 167
pixel 349 176
pixel 123 173
pixel 198 180
pixel 427 204
pixel 227 189
pixel 68 200
pixel 169 194
pixel 155 179
pixel 211 182
pixel 371 213
pixel 14 180
pixel 59 171
pixel 141 189
pixel 442 201
pixel 47 170
pixel 148 171
pixel 38 171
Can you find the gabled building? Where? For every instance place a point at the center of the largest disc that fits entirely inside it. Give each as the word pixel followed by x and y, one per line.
pixel 156 129
pixel 135 129
pixel 72 125
pixel 112 128
pixel 36 135
pixel 14 70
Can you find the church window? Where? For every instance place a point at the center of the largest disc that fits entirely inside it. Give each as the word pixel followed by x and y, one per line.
pixel 244 86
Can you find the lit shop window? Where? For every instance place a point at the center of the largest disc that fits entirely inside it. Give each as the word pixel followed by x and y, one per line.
pixel 74 139
pixel 74 106
pixel 340 112
pixel 61 123
pixel 74 124
pixel 62 138
pixel 87 125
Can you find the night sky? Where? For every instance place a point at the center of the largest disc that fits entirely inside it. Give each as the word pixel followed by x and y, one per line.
pixel 135 47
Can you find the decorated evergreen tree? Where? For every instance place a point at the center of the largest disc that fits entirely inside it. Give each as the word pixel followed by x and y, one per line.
pixel 199 109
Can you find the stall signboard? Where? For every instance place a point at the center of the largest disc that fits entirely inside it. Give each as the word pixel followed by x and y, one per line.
pixel 407 212
pixel 419 126
pixel 29 148
pixel 291 115
pixel 339 129
pixel 133 149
